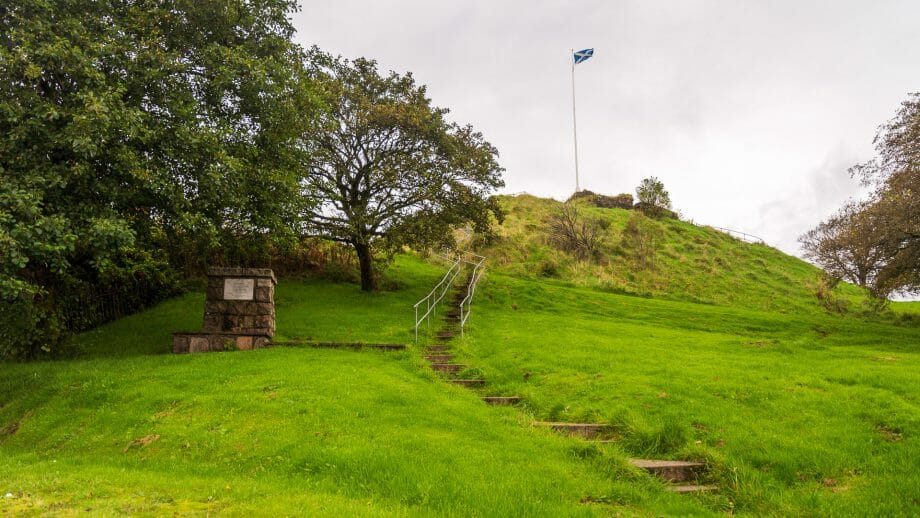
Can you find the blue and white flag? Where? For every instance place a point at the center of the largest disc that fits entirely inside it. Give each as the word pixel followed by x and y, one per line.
pixel 583 55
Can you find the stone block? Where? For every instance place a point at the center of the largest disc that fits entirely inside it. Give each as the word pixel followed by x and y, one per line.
pixel 264 294
pixel 231 323
pixel 243 272
pixel 244 343
pixel 215 306
pixel 213 322
pixel 264 321
pixel 210 342
pixel 263 308
pixel 181 343
pixel 198 344
pixel 215 293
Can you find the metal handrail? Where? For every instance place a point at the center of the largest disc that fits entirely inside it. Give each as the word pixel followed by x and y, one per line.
pixel 475 275
pixel 436 294
pixel 750 238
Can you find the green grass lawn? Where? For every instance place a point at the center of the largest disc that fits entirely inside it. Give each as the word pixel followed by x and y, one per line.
pixel 798 414
pixel 273 432
pixel 128 429
pixel 797 411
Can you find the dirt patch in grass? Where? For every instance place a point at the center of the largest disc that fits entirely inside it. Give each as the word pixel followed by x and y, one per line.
pixel 890 434
pixel 141 442
pixel 11 429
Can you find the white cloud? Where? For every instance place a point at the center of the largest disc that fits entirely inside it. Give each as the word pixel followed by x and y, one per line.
pixel 750 112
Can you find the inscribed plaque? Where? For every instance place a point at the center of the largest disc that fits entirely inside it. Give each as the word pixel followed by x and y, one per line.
pixel 239 289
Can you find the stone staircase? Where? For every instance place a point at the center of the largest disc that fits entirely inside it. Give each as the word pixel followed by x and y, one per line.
pixel 680 476
pixel 677 473
pixel 441 360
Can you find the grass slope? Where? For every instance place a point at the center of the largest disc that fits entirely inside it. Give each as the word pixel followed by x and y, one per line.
pixel 693 263
pixel 796 414
pixel 797 411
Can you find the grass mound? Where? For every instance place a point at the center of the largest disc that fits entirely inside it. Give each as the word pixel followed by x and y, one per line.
pixel 685 261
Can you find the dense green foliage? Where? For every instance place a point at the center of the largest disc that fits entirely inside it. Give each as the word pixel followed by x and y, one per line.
pixel 142 140
pixel 876 243
pixel 387 169
pixel 653 198
pixel 133 128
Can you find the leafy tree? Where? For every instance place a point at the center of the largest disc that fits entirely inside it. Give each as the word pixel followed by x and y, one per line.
pixel 846 245
pixel 569 230
pixel 653 198
pixel 876 243
pixel 388 169
pixel 131 125
pixel 895 173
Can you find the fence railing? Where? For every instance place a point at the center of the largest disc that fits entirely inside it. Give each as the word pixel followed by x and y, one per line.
pixel 429 303
pixel 475 275
pixel 744 236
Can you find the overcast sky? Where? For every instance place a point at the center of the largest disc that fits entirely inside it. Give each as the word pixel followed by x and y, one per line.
pixel 749 112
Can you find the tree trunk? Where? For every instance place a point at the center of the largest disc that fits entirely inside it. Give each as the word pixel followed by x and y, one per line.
pixel 366 260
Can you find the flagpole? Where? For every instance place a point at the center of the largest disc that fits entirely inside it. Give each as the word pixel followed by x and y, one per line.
pixel 574 120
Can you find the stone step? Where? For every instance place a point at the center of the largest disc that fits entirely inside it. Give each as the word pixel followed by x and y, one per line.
pixel 692 489
pixel 439 358
pixel 669 470
pixel 448 367
pixel 446 335
pixel 469 383
pixel 437 348
pixel 586 430
pixel 502 400
pixel 343 345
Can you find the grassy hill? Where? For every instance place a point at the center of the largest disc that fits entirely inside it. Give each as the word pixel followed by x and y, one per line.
pixel 692 263
pixel 726 358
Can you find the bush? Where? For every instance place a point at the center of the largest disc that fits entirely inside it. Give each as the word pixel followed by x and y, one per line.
pixel 572 232
pixel 38 324
pixel 641 237
pixel 654 200
pixel 548 268
pixel 824 292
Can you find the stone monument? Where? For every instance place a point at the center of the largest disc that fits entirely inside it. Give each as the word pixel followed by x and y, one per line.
pixel 239 312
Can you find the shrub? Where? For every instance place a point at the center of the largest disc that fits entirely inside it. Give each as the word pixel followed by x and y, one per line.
pixel 572 232
pixel 548 268
pixel 641 237
pixel 824 291
pixel 654 200
pixel 37 324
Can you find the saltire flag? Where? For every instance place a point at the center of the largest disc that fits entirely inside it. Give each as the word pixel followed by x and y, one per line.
pixel 583 55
